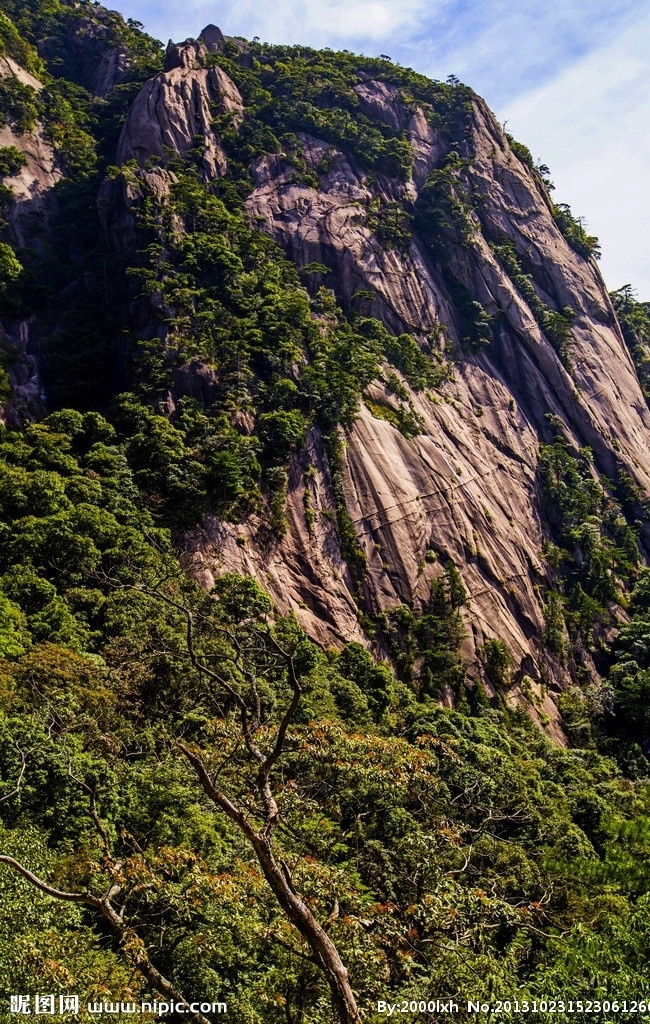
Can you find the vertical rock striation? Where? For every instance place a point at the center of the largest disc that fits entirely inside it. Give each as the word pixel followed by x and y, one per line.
pixel 174 111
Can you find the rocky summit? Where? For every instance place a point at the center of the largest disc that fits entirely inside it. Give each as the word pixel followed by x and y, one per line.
pixel 325 516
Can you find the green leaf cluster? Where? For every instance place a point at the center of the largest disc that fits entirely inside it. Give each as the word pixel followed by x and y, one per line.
pixel 634 318
pixel 556 324
pixel 574 231
pixel 11 160
pixel 288 90
pixel 598 553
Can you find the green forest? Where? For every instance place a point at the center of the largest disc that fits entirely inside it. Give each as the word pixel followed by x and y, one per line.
pixel 197 801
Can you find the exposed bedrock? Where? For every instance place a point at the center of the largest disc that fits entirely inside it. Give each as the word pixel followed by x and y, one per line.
pixel 176 107
pixel 466 488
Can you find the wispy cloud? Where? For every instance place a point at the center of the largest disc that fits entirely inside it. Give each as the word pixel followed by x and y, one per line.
pixel 338 23
pixel 590 126
pixel 505 49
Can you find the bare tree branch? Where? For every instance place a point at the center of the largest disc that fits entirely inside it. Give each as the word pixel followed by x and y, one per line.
pixel 250 714
pixel 93 813
pixel 289 900
pixel 117 926
pixel 49 890
pixel 16 790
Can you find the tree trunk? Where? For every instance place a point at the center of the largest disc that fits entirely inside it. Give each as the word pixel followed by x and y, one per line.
pixel 317 938
pixel 325 952
pixel 117 926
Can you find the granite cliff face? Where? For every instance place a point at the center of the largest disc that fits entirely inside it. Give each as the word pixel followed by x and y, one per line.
pixel 32 190
pixel 61 68
pixel 32 183
pixel 88 51
pixel 465 487
pixel 177 108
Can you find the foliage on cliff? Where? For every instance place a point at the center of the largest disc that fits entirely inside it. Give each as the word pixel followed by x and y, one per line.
pixel 634 318
pixel 439 851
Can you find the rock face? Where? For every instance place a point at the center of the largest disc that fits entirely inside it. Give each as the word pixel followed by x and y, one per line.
pixel 306 572
pixel 600 400
pixel 466 487
pixel 27 216
pixel 89 51
pixel 177 107
pixel 117 197
pixel 27 397
pixel 31 186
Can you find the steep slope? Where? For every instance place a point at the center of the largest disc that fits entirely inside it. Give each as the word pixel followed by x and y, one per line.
pixel 178 106
pixel 29 179
pixel 467 488
pixel 407 200
pixel 480 229
pixel 63 70
pixel 33 180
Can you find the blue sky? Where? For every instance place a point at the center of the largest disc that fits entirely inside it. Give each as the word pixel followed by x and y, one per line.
pixel 572 79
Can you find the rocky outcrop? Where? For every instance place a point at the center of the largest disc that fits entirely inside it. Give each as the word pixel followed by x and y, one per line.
pixel 176 108
pixel 119 197
pixel 86 52
pixel 28 215
pixel 306 571
pixel 27 401
pixel 90 50
pixel 466 488
pixel 32 185
pixel 328 225
pixel 172 114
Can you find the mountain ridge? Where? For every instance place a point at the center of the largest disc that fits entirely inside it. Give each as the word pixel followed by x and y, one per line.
pixel 496 215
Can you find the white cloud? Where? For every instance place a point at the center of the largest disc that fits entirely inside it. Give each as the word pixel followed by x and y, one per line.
pixel 503 49
pixel 338 23
pixel 590 126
